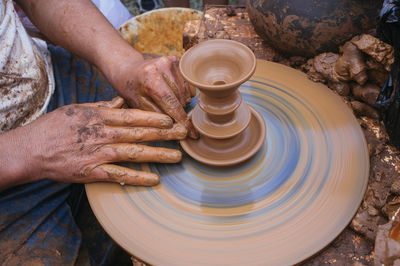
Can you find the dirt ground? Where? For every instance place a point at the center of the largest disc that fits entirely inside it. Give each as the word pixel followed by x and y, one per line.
pixel 196 4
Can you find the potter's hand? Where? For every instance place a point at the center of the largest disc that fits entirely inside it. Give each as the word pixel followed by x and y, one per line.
pixel 77 143
pixel 80 28
pixel 156 85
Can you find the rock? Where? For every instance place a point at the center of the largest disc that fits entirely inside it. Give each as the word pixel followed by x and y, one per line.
pixel 366 224
pixel 377 49
pixel 312 72
pixel 351 65
pixel 342 88
pixel 362 109
pixel 297 61
pixel 377 77
pixel 395 188
pixel 392 209
pixel 376 195
pixel 372 211
pixel 324 64
pixel 367 93
pixel 387 249
pixel 357 263
pixel 372 64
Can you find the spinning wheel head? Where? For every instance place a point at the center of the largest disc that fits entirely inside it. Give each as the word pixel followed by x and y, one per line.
pixel 309 176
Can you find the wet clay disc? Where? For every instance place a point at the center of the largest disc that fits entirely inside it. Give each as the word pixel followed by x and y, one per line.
pixel 286 203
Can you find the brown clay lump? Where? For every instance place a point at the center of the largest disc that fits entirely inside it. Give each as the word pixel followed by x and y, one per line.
pixel 351 65
pixel 357 72
pixel 380 51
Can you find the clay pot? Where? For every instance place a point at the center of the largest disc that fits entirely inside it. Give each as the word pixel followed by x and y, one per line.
pixel 310 27
pixel 230 130
pixel 218 68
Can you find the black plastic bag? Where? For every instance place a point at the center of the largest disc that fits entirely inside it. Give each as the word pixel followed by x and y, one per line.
pixel 388 102
pixel 147 5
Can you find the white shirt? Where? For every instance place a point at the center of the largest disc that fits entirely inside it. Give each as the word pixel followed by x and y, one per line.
pixel 26 74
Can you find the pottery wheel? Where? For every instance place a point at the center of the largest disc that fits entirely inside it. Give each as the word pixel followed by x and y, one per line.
pixel 281 206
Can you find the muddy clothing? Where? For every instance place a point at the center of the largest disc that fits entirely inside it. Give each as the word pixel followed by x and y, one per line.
pixel 46 222
pixel 26 78
pixel 49 222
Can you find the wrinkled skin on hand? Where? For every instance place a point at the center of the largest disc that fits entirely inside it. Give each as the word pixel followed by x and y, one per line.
pixel 77 143
pixel 156 85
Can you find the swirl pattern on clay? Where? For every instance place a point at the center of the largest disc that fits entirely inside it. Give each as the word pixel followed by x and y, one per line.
pixel 296 194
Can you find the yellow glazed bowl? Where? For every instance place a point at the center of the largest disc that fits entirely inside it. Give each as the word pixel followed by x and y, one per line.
pixel 159 31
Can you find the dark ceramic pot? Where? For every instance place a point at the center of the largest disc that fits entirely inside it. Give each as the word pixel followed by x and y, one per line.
pixel 309 27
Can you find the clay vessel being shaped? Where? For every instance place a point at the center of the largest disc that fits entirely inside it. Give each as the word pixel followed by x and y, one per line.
pixel 217 68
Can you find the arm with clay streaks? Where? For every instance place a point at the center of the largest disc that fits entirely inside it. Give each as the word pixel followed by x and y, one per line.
pixel 79 27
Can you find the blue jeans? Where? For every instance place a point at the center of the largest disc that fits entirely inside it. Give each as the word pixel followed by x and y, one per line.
pixel 49 222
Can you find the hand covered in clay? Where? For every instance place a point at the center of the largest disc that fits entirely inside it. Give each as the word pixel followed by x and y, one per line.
pixel 77 143
pixel 156 84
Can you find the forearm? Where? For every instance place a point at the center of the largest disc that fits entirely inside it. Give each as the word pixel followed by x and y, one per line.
pixel 15 165
pixel 79 27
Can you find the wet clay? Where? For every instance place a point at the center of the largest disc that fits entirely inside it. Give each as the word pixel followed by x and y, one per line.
pixel 281 206
pixel 218 68
pixel 222 151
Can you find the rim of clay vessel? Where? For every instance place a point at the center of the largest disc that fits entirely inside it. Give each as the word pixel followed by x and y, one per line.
pixel 195 67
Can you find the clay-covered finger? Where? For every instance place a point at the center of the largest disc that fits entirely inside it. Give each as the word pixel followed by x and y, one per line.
pixel 123 175
pixel 167 101
pixel 179 93
pixel 140 153
pixel 158 90
pixel 116 102
pixel 192 132
pixel 188 91
pixel 147 104
pixel 134 117
pixel 146 134
pixel 192 89
pixel 180 82
pixel 167 67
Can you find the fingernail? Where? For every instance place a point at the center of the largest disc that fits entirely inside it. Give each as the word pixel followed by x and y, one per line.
pixel 194 134
pixel 180 131
pixel 192 131
pixel 118 101
pixel 171 156
pixel 151 180
pixel 177 156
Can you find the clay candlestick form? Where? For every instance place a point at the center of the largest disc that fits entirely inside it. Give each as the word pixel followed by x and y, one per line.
pixel 231 131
